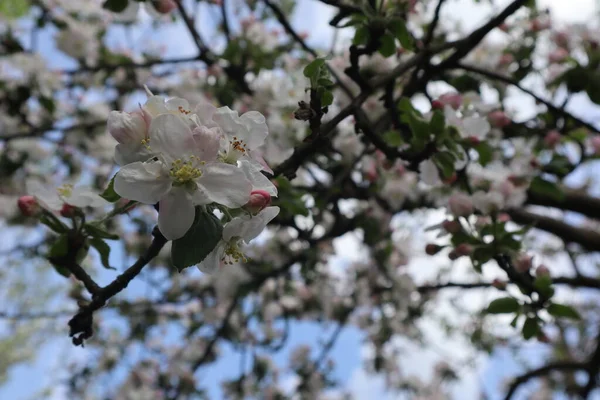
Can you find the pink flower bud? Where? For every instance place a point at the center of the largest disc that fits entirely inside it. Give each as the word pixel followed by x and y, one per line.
pixel 552 138
pixel 503 27
pixel 432 249
pixel 68 211
pixel 259 199
pixel 499 119
pixel 453 255
pixel 503 217
pixel 474 140
pixel 464 249
pixel 542 271
pixel 499 284
pixel 506 59
pixel 451 226
pixel 165 6
pixel 523 262
pixel 561 38
pixel 460 205
pixel 29 206
pixel 595 143
pixel 437 105
pixel 453 100
pixel 558 55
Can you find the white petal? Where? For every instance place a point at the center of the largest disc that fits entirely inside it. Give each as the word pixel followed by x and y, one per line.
pixel 84 197
pixel 176 213
pixel 178 105
pixel 126 128
pixel 208 142
pixel 46 195
pixel 213 260
pixel 249 228
pixel 476 126
pixel 171 137
pixel 225 184
pixel 205 111
pixel 127 154
pixel 257 179
pixel 228 120
pixel 429 173
pixel 155 106
pixel 257 129
pixel 143 182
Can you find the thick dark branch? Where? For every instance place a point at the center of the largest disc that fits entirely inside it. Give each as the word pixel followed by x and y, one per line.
pixel 587 238
pixel 145 64
pixel 226 29
pixel 555 366
pixel 81 324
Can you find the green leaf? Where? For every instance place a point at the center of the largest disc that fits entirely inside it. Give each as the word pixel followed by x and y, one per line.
pixel 438 123
pixel 311 70
pixel 403 35
pixel 53 223
pixel 546 188
pixel 109 193
pixel 13 9
pixel 325 82
pixel 104 251
pixel 115 5
pixel 326 98
pixel 504 305
pixel 361 36
pixel 563 311
pixel 530 328
pixel 485 152
pixel 60 247
pixel 198 242
pixel 445 161
pixel 48 104
pixel 579 134
pixel 543 285
pixel 95 231
pixel 393 138
pixel 388 45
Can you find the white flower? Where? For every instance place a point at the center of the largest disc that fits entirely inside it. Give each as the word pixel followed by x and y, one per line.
pixel 180 179
pixel 429 173
pixel 54 198
pixel 243 134
pixel 131 131
pixel 472 126
pixel 240 229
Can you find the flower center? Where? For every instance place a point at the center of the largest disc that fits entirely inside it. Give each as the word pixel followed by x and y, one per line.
pixel 237 149
pixel 183 110
pixel 65 190
pixel 233 254
pixel 185 172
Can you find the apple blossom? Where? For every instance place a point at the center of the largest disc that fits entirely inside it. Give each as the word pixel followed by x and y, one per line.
pixel 53 199
pixel 240 230
pixel 179 179
pixel 29 206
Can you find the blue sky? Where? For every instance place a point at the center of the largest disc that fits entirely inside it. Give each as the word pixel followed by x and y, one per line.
pixel 313 18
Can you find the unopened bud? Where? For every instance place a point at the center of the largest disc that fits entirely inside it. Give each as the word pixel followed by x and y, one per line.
pixel 453 100
pixel 559 55
pixel 499 284
pixel 595 143
pixel 542 271
pixel 523 263
pixel 259 199
pixel 432 249
pixel 506 59
pixel 29 206
pixel 452 226
pixel 552 138
pixel 453 255
pixel 437 105
pixel 464 249
pixel 304 112
pixel 460 205
pixel 503 217
pixel 165 6
pixel 68 211
pixel 499 119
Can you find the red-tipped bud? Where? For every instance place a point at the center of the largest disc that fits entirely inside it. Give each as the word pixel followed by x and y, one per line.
pixel 68 211
pixel 542 271
pixel 453 255
pixel 523 263
pixel 499 119
pixel 460 205
pixel 432 249
pixel 499 284
pixel 552 138
pixel 29 206
pixel 503 217
pixel 437 105
pixel 165 6
pixel 452 226
pixel 464 249
pixel 259 199
pixel 474 140
pixel 451 179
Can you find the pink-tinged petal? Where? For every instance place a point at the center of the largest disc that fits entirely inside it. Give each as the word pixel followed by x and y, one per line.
pixel 208 142
pixel 176 213
pixel 126 128
pixel 249 228
pixel 225 184
pixel 171 137
pixel 143 182
pixel 155 106
pixel 257 179
pixel 258 158
pixel 229 121
pixel 205 111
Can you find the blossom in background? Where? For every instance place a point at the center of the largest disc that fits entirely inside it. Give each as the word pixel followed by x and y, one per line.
pixel 53 199
pixel 240 230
